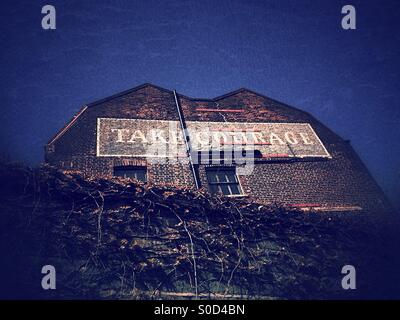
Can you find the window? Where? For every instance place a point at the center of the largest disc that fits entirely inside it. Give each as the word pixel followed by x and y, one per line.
pixel 223 179
pixel 225 156
pixel 134 172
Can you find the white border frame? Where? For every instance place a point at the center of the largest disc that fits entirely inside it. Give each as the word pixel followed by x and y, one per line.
pixel 326 155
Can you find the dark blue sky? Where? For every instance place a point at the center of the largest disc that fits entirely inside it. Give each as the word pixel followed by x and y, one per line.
pixel 293 51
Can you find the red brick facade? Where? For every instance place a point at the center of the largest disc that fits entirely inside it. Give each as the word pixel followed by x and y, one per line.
pixel 341 181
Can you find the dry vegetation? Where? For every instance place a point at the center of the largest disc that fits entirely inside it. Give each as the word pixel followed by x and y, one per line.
pixel 119 239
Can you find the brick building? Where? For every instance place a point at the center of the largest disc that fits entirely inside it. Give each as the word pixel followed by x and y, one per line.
pixel 156 135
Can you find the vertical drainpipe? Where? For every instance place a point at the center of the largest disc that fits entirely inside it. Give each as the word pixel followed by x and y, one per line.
pixel 186 138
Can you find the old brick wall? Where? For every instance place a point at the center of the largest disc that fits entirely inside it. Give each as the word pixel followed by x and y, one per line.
pixel 340 181
pixel 76 148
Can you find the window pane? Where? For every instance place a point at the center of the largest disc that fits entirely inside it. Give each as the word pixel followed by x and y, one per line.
pixel 234 189
pixel 141 175
pixel 131 172
pixel 212 177
pixel 231 177
pixel 225 189
pixel 222 177
pixel 214 188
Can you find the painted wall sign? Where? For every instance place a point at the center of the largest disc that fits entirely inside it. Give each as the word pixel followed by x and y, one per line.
pixel 159 138
pixel 291 139
pixel 139 138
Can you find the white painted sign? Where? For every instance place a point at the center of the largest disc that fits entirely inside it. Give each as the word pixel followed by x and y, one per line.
pixel 158 138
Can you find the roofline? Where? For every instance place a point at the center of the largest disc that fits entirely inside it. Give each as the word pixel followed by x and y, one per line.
pixel 67 125
pixel 278 102
pixel 234 92
pixel 231 93
pixel 117 95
